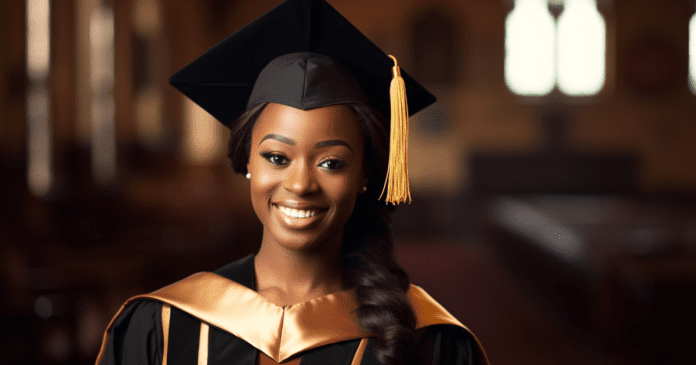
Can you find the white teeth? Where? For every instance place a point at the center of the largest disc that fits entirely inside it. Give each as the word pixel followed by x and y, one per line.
pixel 294 213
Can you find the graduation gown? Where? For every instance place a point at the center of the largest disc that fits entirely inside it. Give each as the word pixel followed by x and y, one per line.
pixel 217 318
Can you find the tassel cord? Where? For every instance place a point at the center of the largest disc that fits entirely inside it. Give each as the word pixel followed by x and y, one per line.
pixel 396 182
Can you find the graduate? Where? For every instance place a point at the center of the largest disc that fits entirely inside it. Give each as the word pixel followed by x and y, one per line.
pixel 319 125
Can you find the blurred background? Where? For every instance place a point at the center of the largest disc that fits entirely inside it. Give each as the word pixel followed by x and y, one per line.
pixel 554 182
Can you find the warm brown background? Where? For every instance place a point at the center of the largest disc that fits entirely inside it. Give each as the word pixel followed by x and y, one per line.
pixel 623 161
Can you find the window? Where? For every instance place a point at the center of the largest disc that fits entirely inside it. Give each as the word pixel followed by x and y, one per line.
pixel 581 38
pixel 529 48
pixel 542 53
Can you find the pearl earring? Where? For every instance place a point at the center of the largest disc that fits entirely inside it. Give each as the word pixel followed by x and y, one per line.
pixel 248 175
pixel 364 189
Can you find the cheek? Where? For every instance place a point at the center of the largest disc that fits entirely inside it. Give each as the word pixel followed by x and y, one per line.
pixel 262 184
pixel 344 193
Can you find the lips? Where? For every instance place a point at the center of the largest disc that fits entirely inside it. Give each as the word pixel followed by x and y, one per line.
pixel 297 213
pixel 298 218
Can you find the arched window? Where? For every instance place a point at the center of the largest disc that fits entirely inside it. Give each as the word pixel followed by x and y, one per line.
pixel 530 49
pixel 581 48
pixel 541 54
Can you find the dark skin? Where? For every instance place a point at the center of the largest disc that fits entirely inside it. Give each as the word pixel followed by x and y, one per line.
pixel 306 171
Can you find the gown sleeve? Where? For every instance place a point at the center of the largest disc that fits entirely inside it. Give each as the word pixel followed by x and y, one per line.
pixel 450 345
pixel 136 336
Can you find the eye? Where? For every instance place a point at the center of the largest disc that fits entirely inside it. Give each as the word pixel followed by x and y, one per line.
pixel 275 158
pixel 333 164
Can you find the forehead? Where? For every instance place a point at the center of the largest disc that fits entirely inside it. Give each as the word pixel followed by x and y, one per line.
pixel 330 122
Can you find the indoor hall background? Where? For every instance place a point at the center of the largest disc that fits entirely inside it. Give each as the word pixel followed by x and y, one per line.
pixel 559 228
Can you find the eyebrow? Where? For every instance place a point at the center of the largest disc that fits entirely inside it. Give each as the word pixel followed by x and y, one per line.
pixel 322 144
pixel 333 142
pixel 279 138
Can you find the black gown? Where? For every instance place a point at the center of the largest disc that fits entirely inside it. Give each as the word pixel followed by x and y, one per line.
pixel 137 335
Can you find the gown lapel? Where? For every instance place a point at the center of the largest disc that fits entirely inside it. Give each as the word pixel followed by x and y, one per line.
pixel 225 348
pixel 237 322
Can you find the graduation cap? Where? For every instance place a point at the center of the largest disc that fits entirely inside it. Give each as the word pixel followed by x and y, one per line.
pixel 305 54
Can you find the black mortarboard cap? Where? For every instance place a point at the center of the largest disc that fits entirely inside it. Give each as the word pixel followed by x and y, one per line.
pixel 294 35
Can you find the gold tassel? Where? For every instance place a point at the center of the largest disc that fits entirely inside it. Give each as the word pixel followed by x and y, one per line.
pixel 396 183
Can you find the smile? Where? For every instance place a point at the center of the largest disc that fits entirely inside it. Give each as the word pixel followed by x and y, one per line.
pixel 294 218
pixel 297 213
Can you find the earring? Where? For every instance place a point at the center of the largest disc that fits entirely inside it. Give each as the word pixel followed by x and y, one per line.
pixel 248 175
pixel 364 189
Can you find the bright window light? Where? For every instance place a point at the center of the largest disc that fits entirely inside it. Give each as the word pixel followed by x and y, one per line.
pixel 38 39
pixel 39 134
pixel 529 48
pixel 581 48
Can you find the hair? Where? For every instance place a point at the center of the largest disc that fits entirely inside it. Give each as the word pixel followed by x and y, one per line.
pixel 369 264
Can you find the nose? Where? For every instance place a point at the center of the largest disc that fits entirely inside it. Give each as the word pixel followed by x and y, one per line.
pixel 300 179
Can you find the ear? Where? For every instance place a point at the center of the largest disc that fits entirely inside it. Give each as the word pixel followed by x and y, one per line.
pixel 365 177
pixel 247 166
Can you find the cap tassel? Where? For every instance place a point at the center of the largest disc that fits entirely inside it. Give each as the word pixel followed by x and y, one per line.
pixel 396 183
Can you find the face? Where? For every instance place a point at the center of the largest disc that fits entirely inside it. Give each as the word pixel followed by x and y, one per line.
pixel 306 171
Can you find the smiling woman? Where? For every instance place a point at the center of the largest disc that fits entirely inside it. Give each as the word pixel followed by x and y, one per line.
pixel 306 114
pixel 305 176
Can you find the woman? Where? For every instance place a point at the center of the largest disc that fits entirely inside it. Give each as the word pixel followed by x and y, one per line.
pixel 324 287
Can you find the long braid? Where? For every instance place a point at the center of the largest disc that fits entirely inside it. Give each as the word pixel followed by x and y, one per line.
pixel 381 285
pixel 370 266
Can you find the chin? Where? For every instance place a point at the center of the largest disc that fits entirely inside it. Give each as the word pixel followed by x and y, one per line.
pixel 297 242
pixel 305 241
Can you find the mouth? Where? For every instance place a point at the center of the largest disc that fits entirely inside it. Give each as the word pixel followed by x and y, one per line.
pixel 297 213
pixel 298 218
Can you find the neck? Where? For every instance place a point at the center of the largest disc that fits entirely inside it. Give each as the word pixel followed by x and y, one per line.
pixel 286 276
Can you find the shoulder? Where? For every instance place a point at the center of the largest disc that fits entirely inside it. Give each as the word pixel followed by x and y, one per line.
pixel 227 286
pixel 134 335
pixel 427 310
pixel 138 313
pixel 442 334
pixel 449 344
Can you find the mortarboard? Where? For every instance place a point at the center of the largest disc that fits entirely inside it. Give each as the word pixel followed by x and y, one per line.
pixel 305 54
